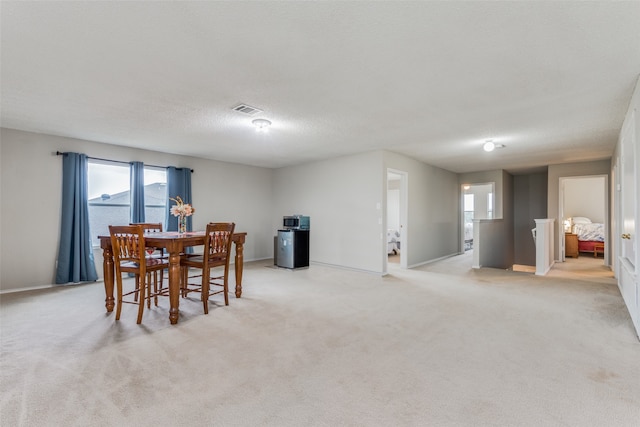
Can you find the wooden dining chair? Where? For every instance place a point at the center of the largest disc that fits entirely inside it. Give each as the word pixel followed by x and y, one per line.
pixel 151 227
pixel 154 227
pixel 217 253
pixel 130 256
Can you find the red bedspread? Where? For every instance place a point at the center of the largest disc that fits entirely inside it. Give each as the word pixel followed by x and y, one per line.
pixel 586 245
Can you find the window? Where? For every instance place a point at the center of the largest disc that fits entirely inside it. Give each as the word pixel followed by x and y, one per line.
pixel 468 208
pixel 155 194
pixel 109 196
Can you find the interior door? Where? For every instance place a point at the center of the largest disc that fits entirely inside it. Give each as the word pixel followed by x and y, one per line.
pixel 628 196
pixel 628 280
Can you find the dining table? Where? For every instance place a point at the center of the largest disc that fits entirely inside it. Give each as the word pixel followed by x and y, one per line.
pixel 174 244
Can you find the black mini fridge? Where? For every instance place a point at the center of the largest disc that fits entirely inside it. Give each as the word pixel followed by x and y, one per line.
pixel 293 249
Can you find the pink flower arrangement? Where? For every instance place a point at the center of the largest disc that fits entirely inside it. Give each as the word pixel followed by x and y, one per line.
pixel 181 209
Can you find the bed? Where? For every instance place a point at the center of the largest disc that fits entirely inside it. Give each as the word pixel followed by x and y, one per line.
pixel 393 241
pixel 590 234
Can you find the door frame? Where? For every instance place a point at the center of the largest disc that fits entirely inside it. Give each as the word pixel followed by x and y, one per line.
pixel 403 214
pixel 607 219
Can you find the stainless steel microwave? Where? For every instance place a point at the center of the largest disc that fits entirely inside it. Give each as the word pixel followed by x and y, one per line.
pixel 296 222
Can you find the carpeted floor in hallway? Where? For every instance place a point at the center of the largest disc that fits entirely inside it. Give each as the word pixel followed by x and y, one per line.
pixel 438 345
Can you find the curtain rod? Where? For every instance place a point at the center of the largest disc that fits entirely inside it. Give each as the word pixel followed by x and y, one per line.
pixel 60 153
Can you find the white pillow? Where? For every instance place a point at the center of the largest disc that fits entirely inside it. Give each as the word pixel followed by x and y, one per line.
pixel 581 220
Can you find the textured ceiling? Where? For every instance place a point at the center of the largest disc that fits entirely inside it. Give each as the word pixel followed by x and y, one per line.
pixel 431 80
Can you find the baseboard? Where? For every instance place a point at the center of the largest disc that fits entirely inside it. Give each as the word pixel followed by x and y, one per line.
pixel 546 271
pixel 342 267
pixel 37 288
pixel 434 260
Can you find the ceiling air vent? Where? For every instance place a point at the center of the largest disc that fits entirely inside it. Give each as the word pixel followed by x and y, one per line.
pixel 247 109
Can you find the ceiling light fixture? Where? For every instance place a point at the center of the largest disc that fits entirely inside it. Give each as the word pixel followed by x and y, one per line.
pixel 490 145
pixel 261 124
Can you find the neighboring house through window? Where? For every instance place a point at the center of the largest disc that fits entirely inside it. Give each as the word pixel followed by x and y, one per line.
pixel 109 196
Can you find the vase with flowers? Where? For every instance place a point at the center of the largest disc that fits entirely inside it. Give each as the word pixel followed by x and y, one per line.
pixel 182 211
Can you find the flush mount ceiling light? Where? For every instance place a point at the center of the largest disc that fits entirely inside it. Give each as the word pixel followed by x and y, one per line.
pixel 261 124
pixel 490 145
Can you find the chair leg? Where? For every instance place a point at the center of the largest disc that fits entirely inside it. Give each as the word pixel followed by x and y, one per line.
pixel 225 281
pixel 135 296
pixel 119 298
pixel 148 285
pixel 226 291
pixel 141 290
pixel 204 295
pixel 155 287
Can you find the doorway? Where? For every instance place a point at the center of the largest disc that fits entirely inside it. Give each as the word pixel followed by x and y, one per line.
pixel 478 202
pixel 396 224
pixel 584 218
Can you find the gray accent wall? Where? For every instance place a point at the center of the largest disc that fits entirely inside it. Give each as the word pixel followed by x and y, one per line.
pixel 530 203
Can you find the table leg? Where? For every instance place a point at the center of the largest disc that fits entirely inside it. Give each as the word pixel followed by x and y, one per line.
pixel 107 271
pixel 239 267
pixel 174 286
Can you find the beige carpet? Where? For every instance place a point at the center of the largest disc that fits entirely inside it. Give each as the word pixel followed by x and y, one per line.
pixel 440 345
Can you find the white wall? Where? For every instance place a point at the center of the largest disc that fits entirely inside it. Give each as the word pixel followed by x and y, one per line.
pixel 585 197
pixel 345 197
pixel 31 182
pixel 393 204
pixel 342 197
pixel 432 229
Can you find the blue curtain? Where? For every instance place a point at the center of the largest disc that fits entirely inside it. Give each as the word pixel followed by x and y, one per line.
pixel 75 254
pixel 178 184
pixel 137 191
